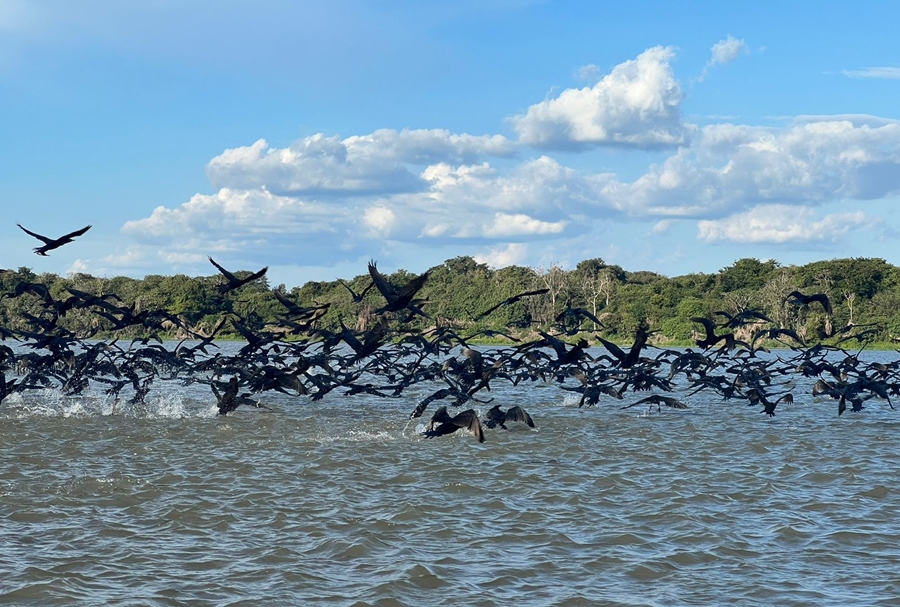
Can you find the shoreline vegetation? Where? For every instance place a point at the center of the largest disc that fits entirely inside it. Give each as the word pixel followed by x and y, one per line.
pixel 864 294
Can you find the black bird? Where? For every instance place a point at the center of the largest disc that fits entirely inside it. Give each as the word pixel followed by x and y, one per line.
pixel 770 406
pixel 233 281
pixel 629 359
pixel 53 243
pixel 576 315
pixel 775 334
pixel 711 338
pixel 658 400
pixel 398 298
pixel 467 420
pixel 804 300
pixel 229 400
pixel 357 297
pixel 511 300
pixel 497 417
pixel 460 397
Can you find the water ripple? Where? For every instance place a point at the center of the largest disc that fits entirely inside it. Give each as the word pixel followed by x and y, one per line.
pixel 343 503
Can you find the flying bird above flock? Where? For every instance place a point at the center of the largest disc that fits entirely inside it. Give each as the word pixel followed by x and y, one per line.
pixel 53 243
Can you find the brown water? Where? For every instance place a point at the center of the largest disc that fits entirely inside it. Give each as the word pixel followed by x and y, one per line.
pixel 343 502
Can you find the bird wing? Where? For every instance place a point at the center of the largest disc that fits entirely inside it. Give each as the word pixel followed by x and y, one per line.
pixel 74 234
pixel 43 239
pixel 256 275
pixel 346 286
pixel 489 310
pixel 383 286
pixel 709 325
pixel 224 272
pixel 468 420
pixel 291 307
pixel 518 414
pixel 672 402
pixel 822 299
pixel 412 287
pixel 516 298
pixel 653 399
pixel 588 315
pixel 511 300
pixel 613 349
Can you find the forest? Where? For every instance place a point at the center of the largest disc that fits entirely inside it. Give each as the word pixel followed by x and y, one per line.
pixel 864 295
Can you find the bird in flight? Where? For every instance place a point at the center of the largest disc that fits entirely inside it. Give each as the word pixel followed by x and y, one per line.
pixel 801 299
pixel 467 420
pixel 233 281
pixel 498 417
pixel 357 297
pixel 53 243
pixel 511 300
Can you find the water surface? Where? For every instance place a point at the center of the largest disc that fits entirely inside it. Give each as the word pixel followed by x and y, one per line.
pixel 343 502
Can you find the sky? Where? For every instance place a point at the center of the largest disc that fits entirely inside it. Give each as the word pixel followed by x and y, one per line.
pixel 312 136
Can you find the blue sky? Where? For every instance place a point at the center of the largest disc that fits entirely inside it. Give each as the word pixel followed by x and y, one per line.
pixel 313 136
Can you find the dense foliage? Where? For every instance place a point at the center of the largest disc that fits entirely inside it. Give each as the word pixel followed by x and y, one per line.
pixel 861 291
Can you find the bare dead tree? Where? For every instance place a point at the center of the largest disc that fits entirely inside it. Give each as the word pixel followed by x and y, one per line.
pixel 850 298
pixel 596 287
pixel 556 280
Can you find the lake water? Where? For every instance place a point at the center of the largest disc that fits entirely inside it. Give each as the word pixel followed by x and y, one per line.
pixel 343 502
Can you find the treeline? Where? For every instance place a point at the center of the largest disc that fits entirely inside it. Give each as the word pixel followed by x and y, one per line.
pixel 862 291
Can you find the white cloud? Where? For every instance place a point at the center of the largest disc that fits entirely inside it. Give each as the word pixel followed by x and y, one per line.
pixel 884 73
pixel 237 213
pixel 661 227
pixel 358 165
pixel 727 50
pixel 857 120
pixel 380 220
pixel 275 228
pixel 726 170
pixel 79 266
pixel 505 225
pixel 781 224
pixel 513 253
pixel 733 167
pixel 589 72
pixel 637 104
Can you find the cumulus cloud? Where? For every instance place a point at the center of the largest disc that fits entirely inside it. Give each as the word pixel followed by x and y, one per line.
pixel 505 225
pixel 726 170
pixel 884 73
pixel 727 50
pixel 360 165
pixel 237 214
pixel 513 253
pixel 661 227
pixel 79 266
pixel 857 120
pixel 637 104
pixel 781 224
pixel 276 228
pixel 733 167
pixel 332 197
pixel 380 221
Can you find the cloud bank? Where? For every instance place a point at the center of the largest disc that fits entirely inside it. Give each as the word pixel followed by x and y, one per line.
pixel 336 199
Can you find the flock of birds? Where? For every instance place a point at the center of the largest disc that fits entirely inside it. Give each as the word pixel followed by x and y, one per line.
pixel 299 357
